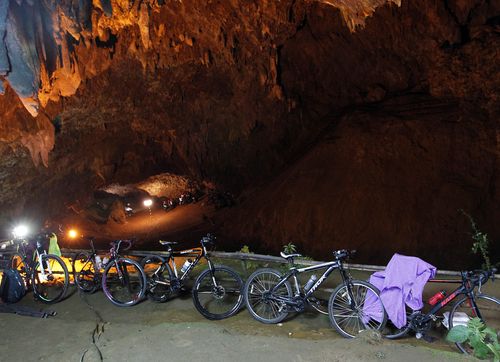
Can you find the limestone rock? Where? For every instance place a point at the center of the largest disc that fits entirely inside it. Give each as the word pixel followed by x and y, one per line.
pixel 378 118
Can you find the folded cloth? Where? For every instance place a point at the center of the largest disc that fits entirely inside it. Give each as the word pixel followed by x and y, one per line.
pixel 401 284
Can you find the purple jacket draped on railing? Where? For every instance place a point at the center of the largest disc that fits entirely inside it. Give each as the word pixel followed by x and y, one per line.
pixel 401 283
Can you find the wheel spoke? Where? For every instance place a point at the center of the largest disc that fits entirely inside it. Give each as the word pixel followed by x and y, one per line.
pixel 346 309
pixel 219 300
pixel 264 305
pixel 123 282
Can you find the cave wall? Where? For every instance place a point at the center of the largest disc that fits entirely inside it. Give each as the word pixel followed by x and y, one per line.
pixel 389 179
pixel 242 93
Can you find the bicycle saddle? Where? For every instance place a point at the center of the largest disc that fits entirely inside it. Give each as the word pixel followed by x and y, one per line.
pixel 289 256
pixel 168 243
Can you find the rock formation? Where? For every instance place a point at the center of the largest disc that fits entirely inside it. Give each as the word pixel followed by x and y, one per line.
pixel 390 108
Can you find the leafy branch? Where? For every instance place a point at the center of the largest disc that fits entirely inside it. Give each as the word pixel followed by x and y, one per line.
pixel 480 243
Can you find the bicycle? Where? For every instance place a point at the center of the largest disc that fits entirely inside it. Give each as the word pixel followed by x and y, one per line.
pixel 269 297
pixel 123 280
pixel 46 273
pixel 216 292
pixel 486 307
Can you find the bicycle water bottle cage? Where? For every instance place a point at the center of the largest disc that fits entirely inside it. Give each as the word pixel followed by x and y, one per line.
pixel 289 257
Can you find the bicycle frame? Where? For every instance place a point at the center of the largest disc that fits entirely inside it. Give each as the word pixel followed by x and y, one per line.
pixel 198 253
pixel 30 264
pixel 465 289
pixel 293 272
pixel 113 258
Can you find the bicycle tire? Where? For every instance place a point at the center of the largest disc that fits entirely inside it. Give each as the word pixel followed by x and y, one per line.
pixel 489 309
pixel 342 315
pixel 87 277
pixel 124 282
pixel 257 295
pixel 219 302
pixel 159 278
pixel 55 285
pixel 391 332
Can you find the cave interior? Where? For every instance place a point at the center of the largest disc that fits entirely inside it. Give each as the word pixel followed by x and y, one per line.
pixel 360 124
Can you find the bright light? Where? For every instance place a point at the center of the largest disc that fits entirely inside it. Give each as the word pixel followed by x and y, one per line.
pixel 72 233
pixel 20 231
pixel 148 202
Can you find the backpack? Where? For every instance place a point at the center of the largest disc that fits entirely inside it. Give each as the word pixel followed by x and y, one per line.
pixel 12 287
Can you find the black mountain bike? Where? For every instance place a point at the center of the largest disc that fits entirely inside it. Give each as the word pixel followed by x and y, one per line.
pixel 123 280
pixel 269 297
pixel 216 292
pixel 46 273
pixel 469 305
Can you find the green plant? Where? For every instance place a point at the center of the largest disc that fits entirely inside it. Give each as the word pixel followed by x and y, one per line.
pixel 245 249
pixel 480 243
pixel 289 248
pixel 482 339
pixel 247 265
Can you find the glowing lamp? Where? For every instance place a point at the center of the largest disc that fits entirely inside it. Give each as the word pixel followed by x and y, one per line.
pixel 20 231
pixel 72 233
pixel 148 202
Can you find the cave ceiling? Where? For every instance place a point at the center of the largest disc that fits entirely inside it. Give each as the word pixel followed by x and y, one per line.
pixel 102 91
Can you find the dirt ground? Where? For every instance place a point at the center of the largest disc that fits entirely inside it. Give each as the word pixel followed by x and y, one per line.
pixel 90 328
pixel 175 331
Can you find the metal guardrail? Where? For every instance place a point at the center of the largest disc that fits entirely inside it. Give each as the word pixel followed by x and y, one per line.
pixel 245 256
pixel 257 257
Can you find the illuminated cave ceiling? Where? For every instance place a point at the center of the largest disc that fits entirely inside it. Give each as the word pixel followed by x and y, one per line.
pixel 236 92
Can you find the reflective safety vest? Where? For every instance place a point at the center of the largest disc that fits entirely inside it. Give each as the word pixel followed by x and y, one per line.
pixel 53 246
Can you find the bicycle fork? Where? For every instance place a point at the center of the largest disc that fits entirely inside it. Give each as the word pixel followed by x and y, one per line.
pixel 43 265
pixel 122 273
pixel 348 284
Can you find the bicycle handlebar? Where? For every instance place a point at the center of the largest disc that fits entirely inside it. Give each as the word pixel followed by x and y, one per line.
pixel 479 276
pixel 117 245
pixel 343 254
pixel 208 239
pixel 6 243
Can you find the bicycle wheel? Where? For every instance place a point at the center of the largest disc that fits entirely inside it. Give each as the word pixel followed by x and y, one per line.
pixel 392 332
pixel 264 305
pixel 159 276
pixel 50 279
pixel 124 282
pixel 488 311
pixel 217 294
pixel 87 276
pixel 348 312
